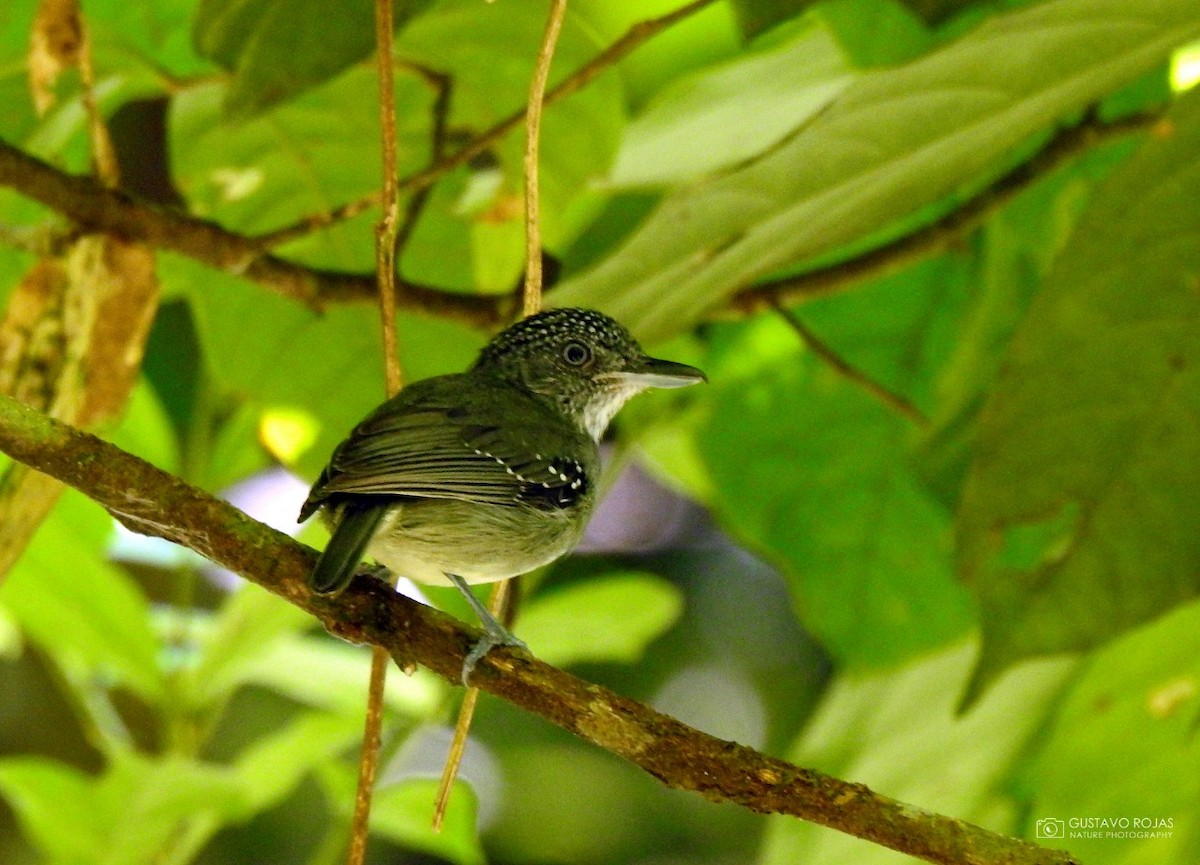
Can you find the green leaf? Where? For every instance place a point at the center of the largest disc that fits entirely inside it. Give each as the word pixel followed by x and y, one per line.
pixel 138 809
pixel 166 807
pixel 401 812
pixel 18 117
pixel 83 612
pixel 328 674
pixel 875 32
pixel 1078 517
pixel 57 807
pixel 147 38
pixel 707 36
pixel 898 733
pixel 145 429
pixel 830 494
pixel 896 140
pixel 1018 248
pixel 612 618
pixel 281 48
pixel 271 768
pixel 1123 745
pixel 247 628
pixel 489 51
pixel 328 365
pixel 758 16
pixel 305 157
pixel 727 114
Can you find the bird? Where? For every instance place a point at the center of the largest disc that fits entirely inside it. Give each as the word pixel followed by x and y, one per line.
pixel 486 474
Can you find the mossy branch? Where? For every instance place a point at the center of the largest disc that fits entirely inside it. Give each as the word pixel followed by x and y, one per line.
pixel 152 502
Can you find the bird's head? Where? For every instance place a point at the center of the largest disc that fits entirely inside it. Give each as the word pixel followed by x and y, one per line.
pixel 586 363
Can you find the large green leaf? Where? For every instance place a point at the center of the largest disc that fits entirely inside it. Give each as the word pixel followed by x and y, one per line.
pixel 896 140
pixel 137 810
pixel 602 619
pixel 707 36
pixel 489 51
pixel 1016 250
pixel 829 492
pixel 328 365
pixel 1079 515
pixel 270 768
pixel 281 48
pixel 249 624
pixel 152 38
pixel 329 674
pixel 727 114
pixel 305 157
pixel 876 32
pixel 18 117
pixel 1124 746
pixel 898 733
pixel 57 807
pixel 82 611
pixel 402 811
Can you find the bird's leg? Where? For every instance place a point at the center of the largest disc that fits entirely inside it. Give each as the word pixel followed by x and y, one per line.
pixel 494 633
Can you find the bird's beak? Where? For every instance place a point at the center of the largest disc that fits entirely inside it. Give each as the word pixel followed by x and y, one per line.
pixel 652 372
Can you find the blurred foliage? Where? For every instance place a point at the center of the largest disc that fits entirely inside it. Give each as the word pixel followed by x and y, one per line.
pixel 903 579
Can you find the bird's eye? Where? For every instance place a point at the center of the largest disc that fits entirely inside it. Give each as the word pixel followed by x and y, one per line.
pixel 576 353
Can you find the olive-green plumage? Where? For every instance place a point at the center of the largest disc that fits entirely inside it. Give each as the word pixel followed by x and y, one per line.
pixel 489 473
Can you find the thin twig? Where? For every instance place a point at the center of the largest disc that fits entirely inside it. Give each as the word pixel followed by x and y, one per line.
pixel 532 304
pixel 533 129
pixel 633 38
pixel 894 401
pixel 104 156
pixel 150 501
pixel 386 234
pixel 94 207
pixel 443 88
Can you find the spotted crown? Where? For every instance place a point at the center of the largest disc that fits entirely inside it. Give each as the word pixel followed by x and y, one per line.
pixel 547 333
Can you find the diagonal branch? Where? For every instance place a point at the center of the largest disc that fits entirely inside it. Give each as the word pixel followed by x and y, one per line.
pixel 942 234
pixel 92 206
pixel 153 502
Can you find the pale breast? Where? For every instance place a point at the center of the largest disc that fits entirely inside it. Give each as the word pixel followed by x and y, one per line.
pixel 426 539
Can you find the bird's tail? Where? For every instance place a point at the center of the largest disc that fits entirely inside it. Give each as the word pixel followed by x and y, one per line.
pixel 355 527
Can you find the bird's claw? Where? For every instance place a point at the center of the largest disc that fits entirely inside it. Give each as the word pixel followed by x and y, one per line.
pixel 491 639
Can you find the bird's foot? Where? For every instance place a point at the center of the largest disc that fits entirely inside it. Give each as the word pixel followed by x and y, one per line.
pixel 492 637
pixel 494 633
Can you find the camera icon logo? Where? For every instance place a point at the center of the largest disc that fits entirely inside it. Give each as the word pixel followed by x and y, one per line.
pixel 1050 827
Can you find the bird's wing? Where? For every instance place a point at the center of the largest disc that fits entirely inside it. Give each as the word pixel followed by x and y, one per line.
pixel 425 444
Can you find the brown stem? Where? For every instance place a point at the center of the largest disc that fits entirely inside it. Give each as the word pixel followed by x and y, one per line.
pixel 88 203
pixel 386 234
pixel 941 235
pixel 443 87
pixel 894 401
pixel 94 208
pixel 532 303
pixel 152 502
pixel 533 129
